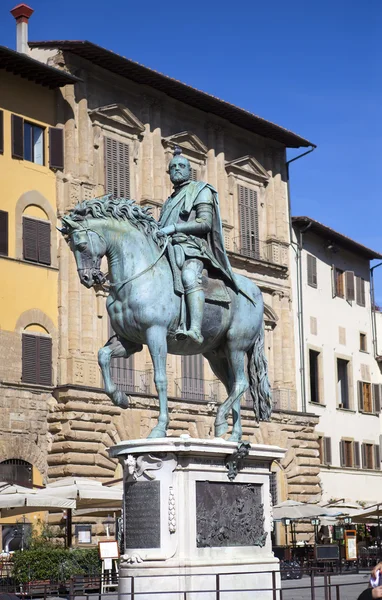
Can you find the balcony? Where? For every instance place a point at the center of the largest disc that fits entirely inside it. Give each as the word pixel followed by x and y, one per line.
pixel 282 399
pixel 271 250
pixel 200 390
pixel 131 380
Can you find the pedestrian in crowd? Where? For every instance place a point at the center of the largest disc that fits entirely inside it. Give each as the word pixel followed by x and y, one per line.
pixel 376 582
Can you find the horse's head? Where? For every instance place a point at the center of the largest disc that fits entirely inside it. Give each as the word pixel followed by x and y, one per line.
pixel 88 247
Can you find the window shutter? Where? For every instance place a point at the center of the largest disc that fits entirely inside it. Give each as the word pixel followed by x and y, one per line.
pixel 193 376
pixel 29 358
pixel 342 453
pixel 1 132
pixel 44 360
pixel 360 395
pixel 56 148
pixel 357 462
pixel 17 137
pixel 327 451
pixel 312 270
pixel 194 175
pixel 334 281
pixel 117 168
pixel 30 239
pixel 377 458
pixel 363 452
pixel 43 231
pixel 360 291
pixel 249 222
pixel 349 282
pixel 122 369
pixel 376 398
pixel 3 233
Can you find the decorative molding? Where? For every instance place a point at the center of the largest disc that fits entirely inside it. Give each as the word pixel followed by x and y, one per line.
pixel 248 167
pixel 35 316
pixel 117 117
pixel 171 510
pixel 189 143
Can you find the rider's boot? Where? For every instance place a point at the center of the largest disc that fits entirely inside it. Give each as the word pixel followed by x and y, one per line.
pixel 195 303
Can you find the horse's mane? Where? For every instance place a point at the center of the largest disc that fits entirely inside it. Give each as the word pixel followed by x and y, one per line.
pixel 105 207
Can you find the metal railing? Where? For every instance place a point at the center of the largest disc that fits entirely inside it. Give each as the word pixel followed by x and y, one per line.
pixel 201 390
pixel 131 380
pixel 282 399
pixel 272 250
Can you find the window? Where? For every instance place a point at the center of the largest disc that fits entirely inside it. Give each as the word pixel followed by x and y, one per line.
pixel 36 359
pixel 192 377
pixel 362 342
pixel 314 376
pixel 194 174
pixel 312 270
pixel 339 282
pixel 3 233
pixel 325 450
pixel 360 291
pixel 15 470
pixel 249 222
pixel 365 402
pixel 83 534
pixel 348 453
pixel 36 241
pixel 117 168
pixel 343 383
pixel 273 487
pixel 33 143
pixel 28 143
pixel 371 456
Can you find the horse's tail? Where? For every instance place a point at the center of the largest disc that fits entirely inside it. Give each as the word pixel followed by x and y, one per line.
pixel 259 385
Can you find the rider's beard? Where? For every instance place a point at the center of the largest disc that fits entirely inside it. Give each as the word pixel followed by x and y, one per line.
pixel 179 178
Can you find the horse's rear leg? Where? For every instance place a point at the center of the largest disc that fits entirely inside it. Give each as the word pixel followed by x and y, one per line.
pixel 115 348
pixel 156 339
pixel 239 385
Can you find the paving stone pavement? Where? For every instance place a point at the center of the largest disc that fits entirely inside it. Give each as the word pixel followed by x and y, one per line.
pixel 355 584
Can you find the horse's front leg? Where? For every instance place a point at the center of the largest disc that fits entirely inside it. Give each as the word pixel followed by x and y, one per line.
pixel 115 348
pixel 156 338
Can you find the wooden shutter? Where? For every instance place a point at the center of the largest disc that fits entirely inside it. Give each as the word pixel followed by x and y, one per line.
pixel 357 460
pixel 117 168
pixel 349 283
pixel 376 398
pixel 193 377
pixel 327 451
pixel 3 233
pixel 56 148
pixel 360 291
pixel 122 369
pixel 377 458
pixel 1 132
pixel 17 137
pixel 43 237
pixel 342 453
pixel 30 239
pixel 194 175
pixel 360 395
pixel 312 270
pixel 363 453
pixel 29 358
pixel 249 222
pixel 44 354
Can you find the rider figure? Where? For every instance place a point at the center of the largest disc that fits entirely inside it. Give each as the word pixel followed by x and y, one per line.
pixel 191 216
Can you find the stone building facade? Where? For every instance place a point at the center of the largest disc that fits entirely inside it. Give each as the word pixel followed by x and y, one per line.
pixel 121 123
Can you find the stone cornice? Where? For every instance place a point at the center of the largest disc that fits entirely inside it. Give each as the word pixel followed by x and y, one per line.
pixel 117 116
pixel 188 142
pixel 254 265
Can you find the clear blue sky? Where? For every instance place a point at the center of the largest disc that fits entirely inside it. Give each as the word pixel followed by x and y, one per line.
pixel 312 67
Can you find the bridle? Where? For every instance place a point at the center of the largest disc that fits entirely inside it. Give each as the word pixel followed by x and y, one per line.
pixel 125 281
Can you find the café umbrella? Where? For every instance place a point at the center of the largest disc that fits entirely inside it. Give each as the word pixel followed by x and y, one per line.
pixel 294 510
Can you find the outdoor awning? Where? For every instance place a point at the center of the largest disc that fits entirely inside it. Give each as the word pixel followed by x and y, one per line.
pixel 291 509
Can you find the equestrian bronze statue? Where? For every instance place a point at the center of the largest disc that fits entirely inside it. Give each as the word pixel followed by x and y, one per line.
pixel 172 288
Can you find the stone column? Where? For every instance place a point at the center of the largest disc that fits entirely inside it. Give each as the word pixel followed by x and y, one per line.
pixel 211 158
pixel 147 188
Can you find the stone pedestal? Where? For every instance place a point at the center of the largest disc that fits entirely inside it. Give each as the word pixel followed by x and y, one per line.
pixel 189 527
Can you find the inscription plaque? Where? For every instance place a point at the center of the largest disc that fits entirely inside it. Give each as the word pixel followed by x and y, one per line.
pixel 229 514
pixel 142 514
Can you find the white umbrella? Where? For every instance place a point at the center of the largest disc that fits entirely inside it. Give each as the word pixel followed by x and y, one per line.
pixel 291 509
pixel 87 493
pixel 19 502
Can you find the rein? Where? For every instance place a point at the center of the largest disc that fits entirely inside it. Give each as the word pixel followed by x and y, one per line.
pixel 125 281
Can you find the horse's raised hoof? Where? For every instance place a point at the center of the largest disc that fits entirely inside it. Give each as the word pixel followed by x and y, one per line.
pixel 120 399
pixel 157 432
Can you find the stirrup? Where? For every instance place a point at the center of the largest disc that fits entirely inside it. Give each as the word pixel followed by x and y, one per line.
pixel 180 335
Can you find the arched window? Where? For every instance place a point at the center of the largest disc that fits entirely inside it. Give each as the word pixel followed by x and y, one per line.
pixel 15 470
pixel 36 356
pixel 36 236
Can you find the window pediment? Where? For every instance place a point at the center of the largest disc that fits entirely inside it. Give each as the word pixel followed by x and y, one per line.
pixel 248 167
pixel 115 115
pixel 188 142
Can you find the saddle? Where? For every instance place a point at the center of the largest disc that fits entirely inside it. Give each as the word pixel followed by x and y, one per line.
pixel 214 288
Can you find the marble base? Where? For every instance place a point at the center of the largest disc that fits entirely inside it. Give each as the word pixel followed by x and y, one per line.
pixel 187 527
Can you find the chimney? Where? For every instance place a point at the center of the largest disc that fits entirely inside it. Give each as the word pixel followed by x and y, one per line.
pixel 22 12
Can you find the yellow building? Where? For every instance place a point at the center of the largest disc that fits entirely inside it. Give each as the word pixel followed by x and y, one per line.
pixel 31 153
